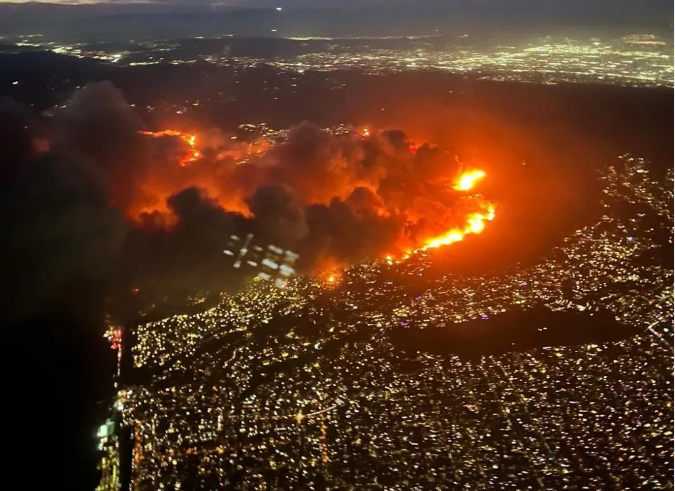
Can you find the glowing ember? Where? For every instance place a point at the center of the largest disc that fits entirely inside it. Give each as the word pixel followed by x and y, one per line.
pixel 190 140
pixel 467 180
pixel 331 279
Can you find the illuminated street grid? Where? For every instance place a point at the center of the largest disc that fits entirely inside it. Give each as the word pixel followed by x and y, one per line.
pixel 637 60
pixel 545 61
pixel 302 387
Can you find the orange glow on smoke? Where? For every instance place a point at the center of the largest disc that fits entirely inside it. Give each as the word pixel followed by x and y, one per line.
pixel 467 180
pixel 475 222
pixel 190 140
pixel 228 173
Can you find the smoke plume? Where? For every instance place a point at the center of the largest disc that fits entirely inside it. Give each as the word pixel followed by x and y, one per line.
pixel 335 198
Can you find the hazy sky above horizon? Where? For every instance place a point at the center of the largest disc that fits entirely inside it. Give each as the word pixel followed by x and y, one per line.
pixel 627 10
pixel 225 3
pixel 217 3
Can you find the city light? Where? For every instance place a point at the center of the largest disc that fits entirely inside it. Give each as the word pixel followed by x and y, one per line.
pixel 333 378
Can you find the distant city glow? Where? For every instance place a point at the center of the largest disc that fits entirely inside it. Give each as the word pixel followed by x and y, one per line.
pixel 630 60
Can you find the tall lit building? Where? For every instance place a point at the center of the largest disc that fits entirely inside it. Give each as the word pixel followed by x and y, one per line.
pixel 109 464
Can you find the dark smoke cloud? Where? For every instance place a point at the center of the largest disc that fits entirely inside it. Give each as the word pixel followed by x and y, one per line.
pixel 334 199
pixel 316 165
pixel 15 139
pixel 363 201
pixel 188 256
pixel 340 234
pixel 61 236
pixel 58 256
pixel 278 216
pixel 98 124
pixel 96 114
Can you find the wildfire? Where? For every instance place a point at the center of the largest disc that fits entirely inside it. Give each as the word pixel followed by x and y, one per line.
pixel 190 140
pixel 475 222
pixel 233 199
pixel 467 180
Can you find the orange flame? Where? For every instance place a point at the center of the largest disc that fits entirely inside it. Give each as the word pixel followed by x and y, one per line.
pixel 191 141
pixel 475 224
pixel 467 180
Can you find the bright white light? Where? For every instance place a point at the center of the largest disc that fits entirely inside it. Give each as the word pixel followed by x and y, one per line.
pixel 102 431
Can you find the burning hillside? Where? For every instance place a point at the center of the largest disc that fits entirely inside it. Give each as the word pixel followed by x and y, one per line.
pixel 346 195
pixel 190 142
pixel 334 196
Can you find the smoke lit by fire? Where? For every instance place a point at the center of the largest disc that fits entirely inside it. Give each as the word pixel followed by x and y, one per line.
pixel 191 153
pixel 398 196
pixel 334 196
